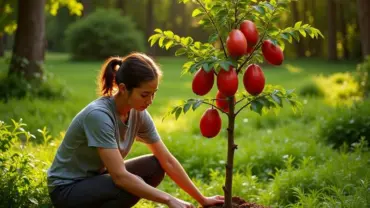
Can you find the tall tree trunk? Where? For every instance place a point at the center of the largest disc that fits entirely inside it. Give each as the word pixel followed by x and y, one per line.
pixel 299 46
pixel 88 7
pixel 29 45
pixel 2 45
pixel 150 24
pixel 363 7
pixel 343 30
pixel 121 4
pixel 332 30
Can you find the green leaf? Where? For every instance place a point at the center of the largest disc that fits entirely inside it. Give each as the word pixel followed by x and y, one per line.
pixel 303 33
pixel 256 107
pixel 187 106
pixel 297 25
pixel 212 38
pixel 180 51
pixel 197 104
pixel 206 67
pixel 289 92
pixel 169 44
pixel 277 99
pixel 197 12
pixel 168 33
pixel 259 9
pixel 178 112
pixel 154 38
pixel 158 30
pixel 225 65
pixel 287 37
pixel 269 6
pixel 160 43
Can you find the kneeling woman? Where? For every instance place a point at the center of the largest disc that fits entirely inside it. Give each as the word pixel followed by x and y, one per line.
pixel 88 169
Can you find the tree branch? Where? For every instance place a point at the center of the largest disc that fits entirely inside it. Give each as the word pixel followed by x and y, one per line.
pixel 214 25
pixel 214 106
pixel 248 104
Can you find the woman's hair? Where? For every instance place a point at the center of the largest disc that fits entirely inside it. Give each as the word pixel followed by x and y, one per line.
pixel 131 70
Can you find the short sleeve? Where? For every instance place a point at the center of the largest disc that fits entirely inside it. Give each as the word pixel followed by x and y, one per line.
pixel 99 130
pixel 147 131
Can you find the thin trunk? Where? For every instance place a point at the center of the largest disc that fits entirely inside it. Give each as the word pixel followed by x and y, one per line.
pixel 343 30
pixel 230 155
pixel 150 24
pixel 2 46
pixel 363 7
pixel 88 7
pixel 332 30
pixel 120 4
pixel 29 45
pixel 299 46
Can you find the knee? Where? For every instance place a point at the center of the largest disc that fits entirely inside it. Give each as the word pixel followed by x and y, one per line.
pixel 158 170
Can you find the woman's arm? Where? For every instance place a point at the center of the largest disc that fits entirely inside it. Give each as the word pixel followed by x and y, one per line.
pixel 122 178
pixel 175 171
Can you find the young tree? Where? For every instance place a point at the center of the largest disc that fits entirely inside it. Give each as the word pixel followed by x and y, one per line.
pixel 243 33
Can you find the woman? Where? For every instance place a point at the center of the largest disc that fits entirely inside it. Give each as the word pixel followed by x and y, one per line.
pixel 88 169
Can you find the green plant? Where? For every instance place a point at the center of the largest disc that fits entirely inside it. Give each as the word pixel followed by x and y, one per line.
pixel 311 89
pixel 237 48
pixel 102 34
pixel 21 185
pixel 347 125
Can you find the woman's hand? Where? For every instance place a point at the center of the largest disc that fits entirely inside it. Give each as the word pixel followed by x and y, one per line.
pixel 178 203
pixel 212 200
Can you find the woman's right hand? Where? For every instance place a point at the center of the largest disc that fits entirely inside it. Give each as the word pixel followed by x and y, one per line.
pixel 178 203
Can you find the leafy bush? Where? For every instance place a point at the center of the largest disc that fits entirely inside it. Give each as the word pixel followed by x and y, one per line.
pixel 102 34
pixel 339 89
pixel 311 89
pixel 21 185
pixel 347 125
pixel 47 87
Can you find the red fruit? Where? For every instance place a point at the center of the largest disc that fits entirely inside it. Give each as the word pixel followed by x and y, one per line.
pixel 210 123
pixel 272 53
pixel 236 43
pixel 202 82
pixel 249 29
pixel 227 81
pixel 254 80
pixel 222 102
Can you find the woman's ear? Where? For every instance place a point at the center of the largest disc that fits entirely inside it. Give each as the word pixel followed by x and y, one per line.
pixel 122 88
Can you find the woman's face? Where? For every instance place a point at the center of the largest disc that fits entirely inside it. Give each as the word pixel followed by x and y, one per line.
pixel 140 98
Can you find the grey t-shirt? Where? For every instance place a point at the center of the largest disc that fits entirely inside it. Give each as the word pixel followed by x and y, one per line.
pixel 97 125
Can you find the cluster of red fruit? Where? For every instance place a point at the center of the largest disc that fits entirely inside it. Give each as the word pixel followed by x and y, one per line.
pixel 240 42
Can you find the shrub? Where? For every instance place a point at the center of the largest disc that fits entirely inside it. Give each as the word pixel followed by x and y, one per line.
pixel 102 34
pixel 347 125
pixel 311 89
pixel 47 87
pixel 21 185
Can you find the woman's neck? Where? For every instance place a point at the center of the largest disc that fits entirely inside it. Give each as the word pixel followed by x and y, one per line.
pixel 122 106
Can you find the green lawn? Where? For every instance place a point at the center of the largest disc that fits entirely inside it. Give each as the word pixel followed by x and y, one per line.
pixel 275 154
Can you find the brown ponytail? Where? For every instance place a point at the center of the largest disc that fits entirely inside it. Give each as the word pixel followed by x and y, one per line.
pixel 106 80
pixel 131 70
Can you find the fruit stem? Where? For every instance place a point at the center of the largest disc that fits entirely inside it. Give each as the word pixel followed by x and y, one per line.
pixel 214 25
pixel 230 155
pixel 204 102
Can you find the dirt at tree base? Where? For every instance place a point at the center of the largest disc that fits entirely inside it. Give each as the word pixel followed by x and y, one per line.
pixel 239 203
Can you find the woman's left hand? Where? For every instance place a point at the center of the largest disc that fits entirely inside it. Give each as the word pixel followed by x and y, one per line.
pixel 212 200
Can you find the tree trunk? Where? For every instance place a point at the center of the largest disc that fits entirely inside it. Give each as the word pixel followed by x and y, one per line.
pixel 299 46
pixel 2 46
pixel 88 7
pixel 120 4
pixel 29 46
pixel 150 24
pixel 343 30
pixel 332 30
pixel 364 21
pixel 231 147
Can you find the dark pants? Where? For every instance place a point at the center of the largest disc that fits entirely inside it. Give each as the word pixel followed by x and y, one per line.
pixel 100 191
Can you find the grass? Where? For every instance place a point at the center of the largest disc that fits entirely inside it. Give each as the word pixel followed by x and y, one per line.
pixel 280 160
